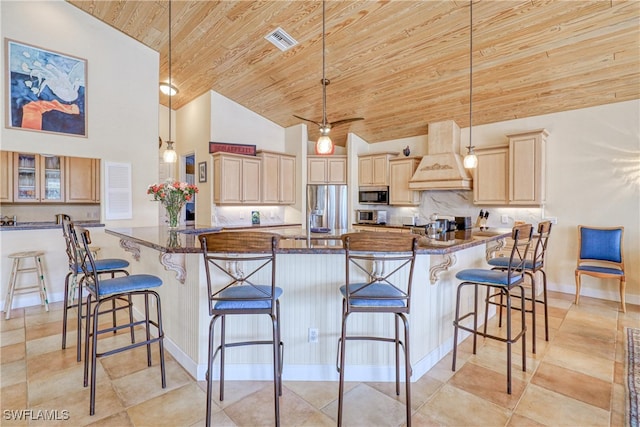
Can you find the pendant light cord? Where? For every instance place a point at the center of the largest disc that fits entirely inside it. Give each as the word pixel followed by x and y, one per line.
pixel 170 81
pixel 470 73
pixel 324 81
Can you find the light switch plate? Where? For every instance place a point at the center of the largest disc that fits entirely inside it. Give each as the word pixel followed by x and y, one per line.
pixel 504 219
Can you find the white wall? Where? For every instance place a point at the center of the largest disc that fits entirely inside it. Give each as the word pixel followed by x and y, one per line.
pixel 593 178
pixel 122 94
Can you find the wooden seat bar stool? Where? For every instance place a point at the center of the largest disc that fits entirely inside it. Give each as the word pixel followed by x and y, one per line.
pixel 378 279
pixel 512 278
pixel 532 266
pixel 16 288
pixel 241 280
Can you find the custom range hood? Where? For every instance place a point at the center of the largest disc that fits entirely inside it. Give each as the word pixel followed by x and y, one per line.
pixel 442 167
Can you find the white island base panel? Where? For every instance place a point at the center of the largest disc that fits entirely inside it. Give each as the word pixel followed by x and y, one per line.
pixel 311 299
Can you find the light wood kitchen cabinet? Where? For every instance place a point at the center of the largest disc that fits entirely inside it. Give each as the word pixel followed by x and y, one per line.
pixel 490 177
pixel 326 169
pixel 513 174
pixel 373 169
pixel 527 167
pixel 278 178
pixel 38 178
pixel 6 176
pixel 82 180
pixel 400 172
pixel 236 179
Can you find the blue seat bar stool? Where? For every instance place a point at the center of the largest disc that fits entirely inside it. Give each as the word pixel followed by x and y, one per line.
pixel 102 291
pixel 504 281
pixel 74 278
pixel 532 266
pixel 378 279
pixel 241 280
pixel 601 255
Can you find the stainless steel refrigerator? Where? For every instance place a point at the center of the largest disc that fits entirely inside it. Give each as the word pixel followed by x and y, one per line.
pixel 327 206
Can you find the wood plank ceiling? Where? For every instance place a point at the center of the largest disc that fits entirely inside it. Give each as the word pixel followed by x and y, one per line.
pixel 398 64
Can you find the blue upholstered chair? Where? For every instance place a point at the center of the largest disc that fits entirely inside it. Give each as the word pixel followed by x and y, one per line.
pixel 504 281
pixel 378 279
pixel 101 291
pixel 74 279
pixel 601 255
pixel 241 270
pixel 532 266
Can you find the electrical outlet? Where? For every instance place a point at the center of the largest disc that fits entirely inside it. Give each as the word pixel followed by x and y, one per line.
pixel 313 335
pixel 504 219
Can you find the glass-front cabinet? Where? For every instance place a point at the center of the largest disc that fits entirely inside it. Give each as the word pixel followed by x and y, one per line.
pixel 40 178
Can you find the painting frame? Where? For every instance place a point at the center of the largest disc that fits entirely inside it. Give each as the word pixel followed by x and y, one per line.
pixel 46 90
pixel 202 172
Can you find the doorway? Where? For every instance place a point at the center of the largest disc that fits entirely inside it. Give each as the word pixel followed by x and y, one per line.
pixel 189 168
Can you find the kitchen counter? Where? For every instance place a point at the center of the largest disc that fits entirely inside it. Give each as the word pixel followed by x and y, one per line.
pixel 310 270
pixel 295 239
pixel 46 225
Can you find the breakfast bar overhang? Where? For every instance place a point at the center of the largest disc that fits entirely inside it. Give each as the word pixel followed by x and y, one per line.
pixel 310 270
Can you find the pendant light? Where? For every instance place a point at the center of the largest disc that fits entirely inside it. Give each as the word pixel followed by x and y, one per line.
pixel 324 144
pixel 470 160
pixel 169 155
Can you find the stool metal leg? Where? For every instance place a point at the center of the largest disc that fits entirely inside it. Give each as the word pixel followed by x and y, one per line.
pixel 12 284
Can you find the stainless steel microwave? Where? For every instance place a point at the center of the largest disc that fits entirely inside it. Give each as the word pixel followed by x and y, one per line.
pixel 373 195
pixel 370 216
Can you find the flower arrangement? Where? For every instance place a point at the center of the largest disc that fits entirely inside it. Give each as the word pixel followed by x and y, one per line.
pixel 173 195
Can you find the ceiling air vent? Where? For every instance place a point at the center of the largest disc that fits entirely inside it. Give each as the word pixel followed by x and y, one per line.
pixel 281 39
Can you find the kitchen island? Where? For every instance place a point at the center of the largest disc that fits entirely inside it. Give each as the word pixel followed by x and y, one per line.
pixel 310 269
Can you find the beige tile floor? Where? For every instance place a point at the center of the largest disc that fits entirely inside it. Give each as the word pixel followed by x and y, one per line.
pixel 576 378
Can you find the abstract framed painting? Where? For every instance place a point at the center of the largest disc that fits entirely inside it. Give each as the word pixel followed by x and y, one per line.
pixel 46 90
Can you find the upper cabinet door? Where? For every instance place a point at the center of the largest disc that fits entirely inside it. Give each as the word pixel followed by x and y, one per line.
pixel 6 176
pixel 52 179
pixel 337 170
pixel 527 168
pixel 27 183
pixel 400 172
pixel 326 170
pixel 373 169
pixel 287 177
pixel 82 180
pixel 490 177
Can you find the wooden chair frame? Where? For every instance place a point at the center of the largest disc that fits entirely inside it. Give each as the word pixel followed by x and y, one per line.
pixel 584 261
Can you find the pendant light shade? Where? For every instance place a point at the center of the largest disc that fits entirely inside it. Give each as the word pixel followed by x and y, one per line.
pixel 470 160
pixel 324 145
pixel 168 89
pixel 169 155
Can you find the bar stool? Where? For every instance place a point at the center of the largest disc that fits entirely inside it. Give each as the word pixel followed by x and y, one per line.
pixel 503 281
pixel 532 266
pixel 377 259
pixel 104 290
pixel 73 285
pixel 235 262
pixel 15 288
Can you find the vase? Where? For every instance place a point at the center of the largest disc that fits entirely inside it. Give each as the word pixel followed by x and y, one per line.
pixel 173 241
pixel 173 214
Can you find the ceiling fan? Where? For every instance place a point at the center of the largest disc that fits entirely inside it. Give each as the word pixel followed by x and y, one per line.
pixel 324 145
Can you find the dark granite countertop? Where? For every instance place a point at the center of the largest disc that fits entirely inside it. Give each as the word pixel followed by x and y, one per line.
pixel 295 239
pixel 46 225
